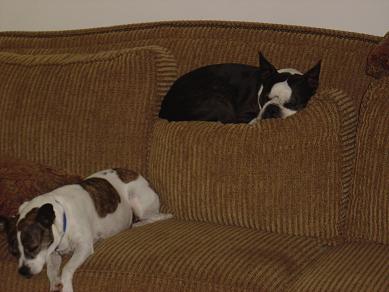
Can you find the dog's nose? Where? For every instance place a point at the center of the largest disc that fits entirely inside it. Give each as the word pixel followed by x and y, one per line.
pixel 25 271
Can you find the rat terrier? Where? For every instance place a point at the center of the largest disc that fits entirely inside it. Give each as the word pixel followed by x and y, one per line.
pixel 73 217
pixel 239 93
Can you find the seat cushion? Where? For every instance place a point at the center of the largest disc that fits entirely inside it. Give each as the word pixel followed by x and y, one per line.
pixel 369 205
pixel 290 176
pixel 82 112
pixel 183 256
pixel 352 267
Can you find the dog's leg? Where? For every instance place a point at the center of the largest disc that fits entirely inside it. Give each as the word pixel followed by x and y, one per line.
pixel 81 253
pixel 152 219
pixel 145 203
pixel 53 265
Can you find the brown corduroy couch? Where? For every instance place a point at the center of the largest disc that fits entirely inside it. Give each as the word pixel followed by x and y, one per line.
pixel 300 204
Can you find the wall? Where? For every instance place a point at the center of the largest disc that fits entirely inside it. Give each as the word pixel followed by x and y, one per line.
pixel 365 16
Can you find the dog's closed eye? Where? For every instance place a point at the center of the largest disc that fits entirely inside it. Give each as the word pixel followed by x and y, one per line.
pixel 33 248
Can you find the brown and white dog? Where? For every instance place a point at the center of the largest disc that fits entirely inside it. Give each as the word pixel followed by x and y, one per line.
pixel 73 217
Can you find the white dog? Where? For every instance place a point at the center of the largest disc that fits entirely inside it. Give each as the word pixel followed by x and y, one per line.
pixel 73 217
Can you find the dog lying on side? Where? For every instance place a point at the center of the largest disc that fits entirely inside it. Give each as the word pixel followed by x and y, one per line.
pixel 73 217
pixel 238 93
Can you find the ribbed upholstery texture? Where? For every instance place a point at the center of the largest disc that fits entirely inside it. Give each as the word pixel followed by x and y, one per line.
pixel 291 176
pixel 196 43
pixel 184 256
pixel 85 112
pixel 353 267
pixel 369 208
pixel 255 206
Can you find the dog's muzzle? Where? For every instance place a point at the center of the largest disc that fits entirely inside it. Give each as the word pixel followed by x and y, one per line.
pixel 25 271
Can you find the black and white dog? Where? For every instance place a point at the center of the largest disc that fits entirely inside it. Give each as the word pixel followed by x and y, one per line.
pixel 238 93
pixel 73 217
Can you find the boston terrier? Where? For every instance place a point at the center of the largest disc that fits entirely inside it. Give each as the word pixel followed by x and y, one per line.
pixel 73 217
pixel 238 93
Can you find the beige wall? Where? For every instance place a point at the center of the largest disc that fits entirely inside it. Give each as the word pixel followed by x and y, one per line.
pixel 366 16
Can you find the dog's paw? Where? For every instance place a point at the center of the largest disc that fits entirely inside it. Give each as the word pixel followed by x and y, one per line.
pixel 152 219
pixel 57 288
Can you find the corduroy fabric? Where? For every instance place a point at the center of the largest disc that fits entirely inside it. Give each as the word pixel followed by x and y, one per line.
pixel 290 176
pixel 185 256
pixel 82 113
pixel 196 43
pixel 369 208
pixel 352 267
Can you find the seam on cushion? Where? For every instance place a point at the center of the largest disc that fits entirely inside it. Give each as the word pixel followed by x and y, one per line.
pixel 347 139
pixel 365 103
pixel 305 264
pixel 100 57
pixel 252 44
pixel 235 25
pixel 162 276
pixel 166 72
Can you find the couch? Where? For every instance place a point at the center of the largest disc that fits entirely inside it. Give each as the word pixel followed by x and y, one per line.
pixel 300 204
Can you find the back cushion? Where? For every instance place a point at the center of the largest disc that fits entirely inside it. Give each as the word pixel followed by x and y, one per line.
pixel 291 176
pixel 82 112
pixel 199 43
pixel 369 208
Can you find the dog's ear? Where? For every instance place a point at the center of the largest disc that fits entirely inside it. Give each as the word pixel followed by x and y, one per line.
pixel 46 215
pixel 8 225
pixel 313 75
pixel 4 223
pixel 267 68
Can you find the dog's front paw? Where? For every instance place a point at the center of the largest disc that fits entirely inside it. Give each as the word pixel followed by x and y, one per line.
pixel 67 288
pixel 56 287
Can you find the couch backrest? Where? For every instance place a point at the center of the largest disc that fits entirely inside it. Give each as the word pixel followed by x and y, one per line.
pixel 85 112
pixel 199 43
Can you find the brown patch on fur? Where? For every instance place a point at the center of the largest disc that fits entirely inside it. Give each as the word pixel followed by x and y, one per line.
pixel 34 236
pixel 29 219
pixel 103 194
pixel 126 175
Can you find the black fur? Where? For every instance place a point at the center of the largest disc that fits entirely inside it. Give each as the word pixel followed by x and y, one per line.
pixel 229 92
pixel 8 225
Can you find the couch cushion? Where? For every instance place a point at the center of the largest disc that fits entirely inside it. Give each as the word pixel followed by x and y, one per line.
pixel 184 256
pixel 83 112
pixel 22 180
pixel 352 267
pixel 290 176
pixel 369 207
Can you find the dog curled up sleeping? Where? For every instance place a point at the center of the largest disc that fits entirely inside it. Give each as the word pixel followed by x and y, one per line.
pixel 239 93
pixel 73 217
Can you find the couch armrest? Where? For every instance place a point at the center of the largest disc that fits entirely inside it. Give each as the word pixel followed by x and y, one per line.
pixel 369 205
pixel 376 89
pixel 378 59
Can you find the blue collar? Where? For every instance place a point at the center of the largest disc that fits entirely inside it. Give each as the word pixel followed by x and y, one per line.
pixel 64 224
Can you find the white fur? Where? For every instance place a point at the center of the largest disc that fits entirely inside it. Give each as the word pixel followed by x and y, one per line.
pixel 85 226
pixel 289 70
pixel 280 91
pixel 285 112
pixel 279 94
